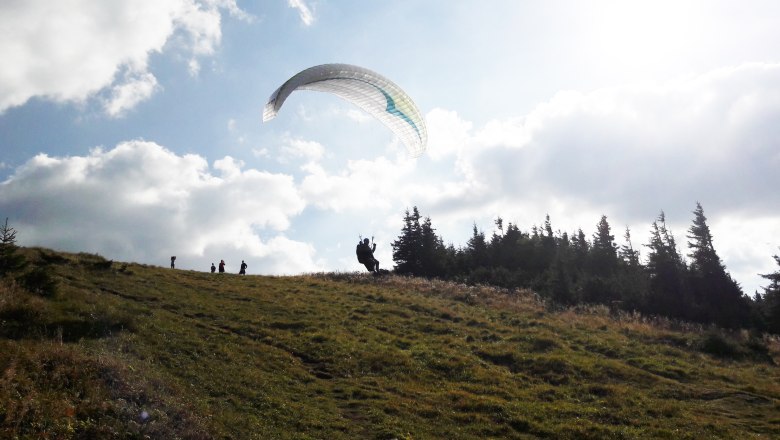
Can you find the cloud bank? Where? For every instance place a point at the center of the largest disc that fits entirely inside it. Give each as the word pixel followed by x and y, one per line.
pixel 50 49
pixel 141 202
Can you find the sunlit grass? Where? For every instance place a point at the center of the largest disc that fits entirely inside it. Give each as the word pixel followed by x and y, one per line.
pixel 349 355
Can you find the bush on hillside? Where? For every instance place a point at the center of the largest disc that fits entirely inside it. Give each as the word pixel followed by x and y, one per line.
pixel 723 346
pixel 39 282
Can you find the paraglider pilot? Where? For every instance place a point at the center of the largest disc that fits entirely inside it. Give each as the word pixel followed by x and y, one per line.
pixel 365 255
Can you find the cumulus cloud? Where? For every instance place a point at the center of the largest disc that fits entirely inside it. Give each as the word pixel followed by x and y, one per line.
pixel 709 137
pixel 141 202
pixel 364 185
pixel 129 93
pixel 629 152
pixel 71 50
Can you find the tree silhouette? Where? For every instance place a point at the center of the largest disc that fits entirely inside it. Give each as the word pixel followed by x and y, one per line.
pixel 771 300
pixel 570 268
pixel 668 292
pixel 407 248
pixel 717 297
pixel 603 254
pixel 11 260
pixel 432 251
pixel 627 253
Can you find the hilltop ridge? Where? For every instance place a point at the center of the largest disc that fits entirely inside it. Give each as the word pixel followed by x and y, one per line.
pixel 126 350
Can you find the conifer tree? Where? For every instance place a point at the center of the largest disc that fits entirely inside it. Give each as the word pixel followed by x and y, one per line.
pixel 770 303
pixel 560 275
pixel 418 250
pixel 580 249
pixel 547 245
pixel 628 255
pixel 11 260
pixel 631 282
pixel 477 249
pixel 704 259
pixel 432 251
pixel 718 297
pixel 604 250
pixel 407 248
pixel 668 293
pixel 513 244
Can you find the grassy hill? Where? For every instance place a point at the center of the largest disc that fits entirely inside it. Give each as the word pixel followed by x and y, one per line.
pixel 136 351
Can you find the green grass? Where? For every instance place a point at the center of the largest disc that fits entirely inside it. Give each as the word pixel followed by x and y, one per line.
pixel 135 351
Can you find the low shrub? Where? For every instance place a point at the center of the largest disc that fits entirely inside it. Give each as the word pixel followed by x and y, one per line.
pixel 40 282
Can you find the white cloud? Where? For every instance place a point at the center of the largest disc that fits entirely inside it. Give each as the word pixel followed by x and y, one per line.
pixel 628 152
pixel 70 50
pixel 358 115
pixel 126 95
pixel 364 185
pixel 305 12
pixel 311 151
pixel 705 138
pixel 141 202
pixel 447 133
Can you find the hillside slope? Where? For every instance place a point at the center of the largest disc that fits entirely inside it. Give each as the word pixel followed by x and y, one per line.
pixel 129 350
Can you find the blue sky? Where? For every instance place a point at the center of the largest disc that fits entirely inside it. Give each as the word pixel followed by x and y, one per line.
pixel 133 129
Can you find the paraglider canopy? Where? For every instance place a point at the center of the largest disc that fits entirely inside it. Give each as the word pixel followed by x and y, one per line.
pixel 369 90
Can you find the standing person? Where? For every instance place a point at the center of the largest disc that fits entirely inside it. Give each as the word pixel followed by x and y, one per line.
pixel 221 266
pixel 213 268
pixel 365 255
pixel 243 268
pixel 172 260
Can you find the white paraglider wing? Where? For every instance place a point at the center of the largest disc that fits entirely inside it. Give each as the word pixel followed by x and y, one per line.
pixel 369 90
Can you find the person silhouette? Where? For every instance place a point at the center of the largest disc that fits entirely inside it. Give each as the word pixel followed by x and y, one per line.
pixel 213 268
pixel 365 255
pixel 243 268
pixel 221 266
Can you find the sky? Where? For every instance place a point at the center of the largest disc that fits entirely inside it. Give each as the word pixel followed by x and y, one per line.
pixel 134 129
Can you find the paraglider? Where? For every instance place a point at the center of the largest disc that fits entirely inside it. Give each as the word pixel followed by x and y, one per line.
pixel 369 90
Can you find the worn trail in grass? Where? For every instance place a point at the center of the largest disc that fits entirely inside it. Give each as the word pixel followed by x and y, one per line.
pixel 351 356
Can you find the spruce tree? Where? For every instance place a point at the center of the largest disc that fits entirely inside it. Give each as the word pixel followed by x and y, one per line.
pixel 560 275
pixel 632 281
pixel 770 303
pixel 477 249
pixel 718 297
pixel 603 254
pixel 547 245
pixel 11 261
pixel 406 249
pixel 580 249
pixel 704 259
pixel 628 255
pixel 668 292
pixel 432 251
pixel 598 282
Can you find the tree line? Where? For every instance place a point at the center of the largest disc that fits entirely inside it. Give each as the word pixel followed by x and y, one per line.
pixel 573 269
